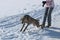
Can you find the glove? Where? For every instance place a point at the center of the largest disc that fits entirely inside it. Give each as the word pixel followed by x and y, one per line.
pixel 43 3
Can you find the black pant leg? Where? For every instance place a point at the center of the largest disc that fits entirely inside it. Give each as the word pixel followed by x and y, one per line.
pixel 49 16
pixel 45 16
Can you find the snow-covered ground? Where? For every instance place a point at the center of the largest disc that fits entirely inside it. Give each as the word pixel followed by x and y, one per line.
pixel 11 11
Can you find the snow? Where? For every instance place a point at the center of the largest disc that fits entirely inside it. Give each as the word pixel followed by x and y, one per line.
pixel 11 11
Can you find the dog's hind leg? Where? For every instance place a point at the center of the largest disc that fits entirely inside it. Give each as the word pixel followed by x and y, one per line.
pixel 22 27
pixel 26 27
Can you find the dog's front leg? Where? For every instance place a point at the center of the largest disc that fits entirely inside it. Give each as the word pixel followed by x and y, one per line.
pixel 22 26
pixel 26 27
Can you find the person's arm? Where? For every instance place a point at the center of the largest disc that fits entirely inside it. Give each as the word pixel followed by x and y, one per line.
pixel 44 2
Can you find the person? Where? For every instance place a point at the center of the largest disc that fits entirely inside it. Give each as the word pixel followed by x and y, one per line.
pixel 48 11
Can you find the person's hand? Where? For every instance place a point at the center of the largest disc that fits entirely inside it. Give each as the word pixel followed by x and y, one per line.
pixel 43 2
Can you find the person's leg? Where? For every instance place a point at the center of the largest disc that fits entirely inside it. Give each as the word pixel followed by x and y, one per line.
pixel 45 16
pixel 49 16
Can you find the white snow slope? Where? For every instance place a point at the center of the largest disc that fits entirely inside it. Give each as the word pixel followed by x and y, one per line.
pixel 10 25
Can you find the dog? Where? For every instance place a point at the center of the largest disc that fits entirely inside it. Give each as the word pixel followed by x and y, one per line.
pixel 29 20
